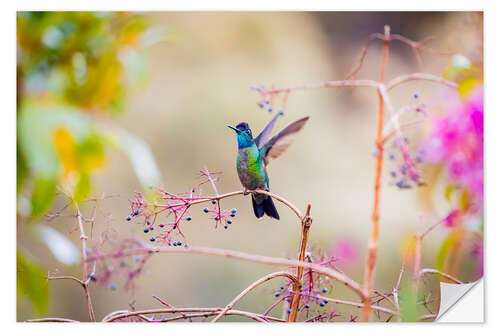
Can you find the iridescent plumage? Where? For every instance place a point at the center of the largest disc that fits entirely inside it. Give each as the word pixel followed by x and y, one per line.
pixel 254 155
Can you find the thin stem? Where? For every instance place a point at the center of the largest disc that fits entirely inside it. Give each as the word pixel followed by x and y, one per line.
pixel 435 271
pixel 373 244
pixel 334 274
pixel 306 225
pixel 254 285
pixel 85 278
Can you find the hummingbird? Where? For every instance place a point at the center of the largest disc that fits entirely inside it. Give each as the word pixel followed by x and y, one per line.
pixel 254 155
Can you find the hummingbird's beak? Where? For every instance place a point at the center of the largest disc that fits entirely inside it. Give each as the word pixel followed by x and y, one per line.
pixel 235 129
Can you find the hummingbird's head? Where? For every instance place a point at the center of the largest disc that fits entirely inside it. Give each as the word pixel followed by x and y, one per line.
pixel 243 134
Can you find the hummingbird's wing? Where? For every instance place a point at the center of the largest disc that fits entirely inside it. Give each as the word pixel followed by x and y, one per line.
pixel 263 136
pixel 281 141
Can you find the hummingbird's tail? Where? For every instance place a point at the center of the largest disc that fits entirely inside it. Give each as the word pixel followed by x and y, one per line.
pixel 265 207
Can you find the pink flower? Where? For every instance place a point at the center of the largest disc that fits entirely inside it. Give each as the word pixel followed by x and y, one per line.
pixel 456 140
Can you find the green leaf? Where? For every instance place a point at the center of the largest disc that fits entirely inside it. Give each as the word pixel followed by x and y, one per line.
pixel 42 196
pixel 82 188
pixel 32 282
pixel 408 299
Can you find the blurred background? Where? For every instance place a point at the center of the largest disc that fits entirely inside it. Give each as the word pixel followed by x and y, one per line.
pixel 111 103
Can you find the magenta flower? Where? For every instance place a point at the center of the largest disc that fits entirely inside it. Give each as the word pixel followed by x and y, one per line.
pixel 456 140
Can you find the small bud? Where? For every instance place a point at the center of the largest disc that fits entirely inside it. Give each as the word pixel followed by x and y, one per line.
pixel 282 113
pixel 233 211
pixel 179 243
pixel 161 225
pixel 229 221
pixel 282 287
pixel 322 303
pixel 174 227
pixel 137 258
pixel 112 286
pixel 277 294
pixel 415 95
pixel 260 104
pixel 289 311
pixel 128 218
pixel 188 218
pixel 306 306
pixel 324 290
pixel 270 109
pixel 205 210
pixel 392 156
pixel 136 212
pixel 216 218
pixel 151 228
pixel 92 277
pixel 225 227
pixel 214 202
pixel 146 230
pixel 394 173
pixel 152 239
pixel 232 215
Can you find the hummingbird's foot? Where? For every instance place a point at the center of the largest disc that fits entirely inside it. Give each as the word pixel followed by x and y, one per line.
pixel 245 191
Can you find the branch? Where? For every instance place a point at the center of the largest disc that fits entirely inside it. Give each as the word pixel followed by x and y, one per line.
pixel 435 271
pixel 85 278
pixel 373 244
pixel 420 76
pixel 355 304
pixel 306 225
pixel 250 288
pixel 126 314
pixel 242 256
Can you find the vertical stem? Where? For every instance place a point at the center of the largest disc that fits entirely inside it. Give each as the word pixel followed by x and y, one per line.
pixel 85 279
pixel 306 225
pixel 373 245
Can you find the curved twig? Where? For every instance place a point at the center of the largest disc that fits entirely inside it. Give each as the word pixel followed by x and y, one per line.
pixel 125 314
pixel 419 76
pixel 254 285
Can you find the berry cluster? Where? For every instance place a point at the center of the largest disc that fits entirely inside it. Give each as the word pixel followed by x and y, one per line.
pixel 176 207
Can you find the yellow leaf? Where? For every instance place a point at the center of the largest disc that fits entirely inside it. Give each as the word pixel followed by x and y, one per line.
pixel 66 149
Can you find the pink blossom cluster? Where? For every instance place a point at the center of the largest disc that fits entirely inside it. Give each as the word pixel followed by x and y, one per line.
pixel 456 140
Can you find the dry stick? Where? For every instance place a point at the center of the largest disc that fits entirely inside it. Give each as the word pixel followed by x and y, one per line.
pixel 242 256
pixel 126 314
pixel 250 288
pixel 85 279
pixel 373 245
pixel 297 286
pixel 435 271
